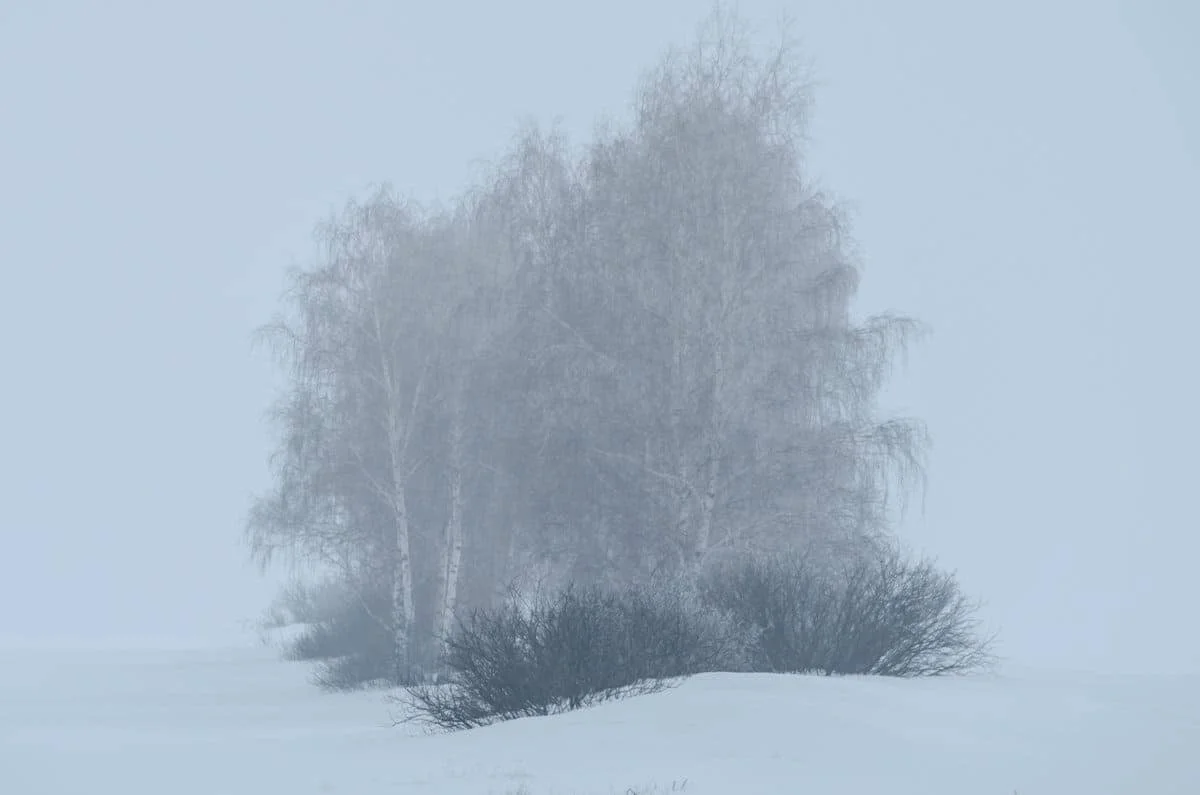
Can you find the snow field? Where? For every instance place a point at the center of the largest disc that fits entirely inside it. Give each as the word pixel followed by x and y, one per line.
pixel 226 720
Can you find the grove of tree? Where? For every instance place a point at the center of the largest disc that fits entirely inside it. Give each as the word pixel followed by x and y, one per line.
pixel 599 365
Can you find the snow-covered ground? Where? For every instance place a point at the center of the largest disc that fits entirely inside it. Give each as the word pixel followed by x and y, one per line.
pixel 112 721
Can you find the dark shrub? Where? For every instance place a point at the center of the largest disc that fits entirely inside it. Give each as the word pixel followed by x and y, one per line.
pixel 576 648
pixel 881 615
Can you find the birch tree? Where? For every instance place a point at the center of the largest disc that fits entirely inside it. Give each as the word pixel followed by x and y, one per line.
pixel 706 320
pixel 361 353
pixel 481 300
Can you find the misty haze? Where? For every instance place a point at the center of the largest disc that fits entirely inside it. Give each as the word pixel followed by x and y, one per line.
pixel 560 398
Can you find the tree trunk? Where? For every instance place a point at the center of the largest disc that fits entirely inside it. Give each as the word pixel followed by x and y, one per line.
pixel 402 589
pixel 708 502
pixel 403 609
pixel 708 497
pixel 454 531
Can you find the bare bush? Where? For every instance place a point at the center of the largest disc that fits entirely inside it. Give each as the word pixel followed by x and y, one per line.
pixel 576 648
pixel 883 615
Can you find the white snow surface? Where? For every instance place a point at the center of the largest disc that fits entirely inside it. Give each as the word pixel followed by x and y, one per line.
pixel 225 720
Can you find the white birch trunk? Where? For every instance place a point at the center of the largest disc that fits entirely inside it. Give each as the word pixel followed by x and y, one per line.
pixel 453 546
pixel 708 495
pixel 399 432
pixel 402 586
pixel 403 610
pixel 683 496
pixel 708 502
pixel 683 521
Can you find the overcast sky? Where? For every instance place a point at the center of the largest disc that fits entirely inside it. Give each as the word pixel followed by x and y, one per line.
pixel 1025 180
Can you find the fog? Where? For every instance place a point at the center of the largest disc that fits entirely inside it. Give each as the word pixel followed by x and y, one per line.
pixel 1024 179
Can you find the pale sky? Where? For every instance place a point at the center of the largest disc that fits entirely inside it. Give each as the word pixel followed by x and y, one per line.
pixel 1026 180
